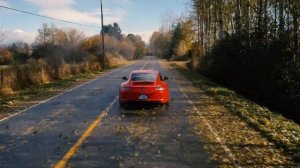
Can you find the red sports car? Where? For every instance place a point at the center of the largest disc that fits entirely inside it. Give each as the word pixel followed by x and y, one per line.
pixel 144 86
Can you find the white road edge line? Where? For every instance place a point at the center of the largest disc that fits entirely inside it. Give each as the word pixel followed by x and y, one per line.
pixel 211 129
pixel 42 102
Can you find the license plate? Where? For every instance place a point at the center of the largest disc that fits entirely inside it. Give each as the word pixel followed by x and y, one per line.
pixel 143 97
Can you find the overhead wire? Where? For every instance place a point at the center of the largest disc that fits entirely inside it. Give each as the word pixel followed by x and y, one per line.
pixel 52 18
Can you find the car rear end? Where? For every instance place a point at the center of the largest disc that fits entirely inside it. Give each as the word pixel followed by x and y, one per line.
pixel 143 89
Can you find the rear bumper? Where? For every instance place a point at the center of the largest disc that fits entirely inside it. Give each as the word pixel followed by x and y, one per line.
pixel 159 97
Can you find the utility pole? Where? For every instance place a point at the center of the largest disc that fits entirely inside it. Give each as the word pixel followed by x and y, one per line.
pixel 103 60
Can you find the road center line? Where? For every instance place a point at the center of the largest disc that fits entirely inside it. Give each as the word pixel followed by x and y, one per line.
pixel 144 65
pixel 63 162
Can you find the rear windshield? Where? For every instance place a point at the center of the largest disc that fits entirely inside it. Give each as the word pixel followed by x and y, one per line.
pixel 143 77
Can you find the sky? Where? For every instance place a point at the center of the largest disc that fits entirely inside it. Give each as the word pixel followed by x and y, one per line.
pixel 140 17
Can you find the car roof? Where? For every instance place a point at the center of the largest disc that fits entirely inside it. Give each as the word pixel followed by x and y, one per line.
pixel 145 71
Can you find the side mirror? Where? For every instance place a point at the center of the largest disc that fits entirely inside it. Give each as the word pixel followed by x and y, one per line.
pixel 166 78
pixel 125 78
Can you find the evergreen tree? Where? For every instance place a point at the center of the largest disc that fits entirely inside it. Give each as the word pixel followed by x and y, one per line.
pixel 113 30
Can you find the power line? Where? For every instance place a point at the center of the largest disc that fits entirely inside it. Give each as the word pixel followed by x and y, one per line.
pixel 30 13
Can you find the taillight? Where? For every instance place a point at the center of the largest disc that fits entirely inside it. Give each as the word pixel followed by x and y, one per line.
pixel 124 89
pixel 160 88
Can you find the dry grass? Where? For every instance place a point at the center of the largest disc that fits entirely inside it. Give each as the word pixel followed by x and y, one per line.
pixel 114 60
pixel 7 82
pixel 37 72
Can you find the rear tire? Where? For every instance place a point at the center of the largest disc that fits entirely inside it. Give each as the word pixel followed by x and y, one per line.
pixel 122 105
pixel 165 104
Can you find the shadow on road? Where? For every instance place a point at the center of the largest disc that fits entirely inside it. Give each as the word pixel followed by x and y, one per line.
pixel 143 108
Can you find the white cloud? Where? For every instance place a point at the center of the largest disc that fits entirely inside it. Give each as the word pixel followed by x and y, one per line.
pixel 16 35
pixel 52 3
pixel 65 10
pixel 124 2
pixel 4 3
pixel 71 15
pixel 18 31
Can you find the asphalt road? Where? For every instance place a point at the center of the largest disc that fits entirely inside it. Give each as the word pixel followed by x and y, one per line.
pixel 85 127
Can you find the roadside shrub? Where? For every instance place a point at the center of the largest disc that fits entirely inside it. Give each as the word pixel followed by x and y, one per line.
pixel 75 69
pixel 114 60
pixel 127 49
pixel 111 44
pixel 85 67
pixel 92 63
pixel 37 71
pixel 8 80
pixel 6 57
pixel 64 70
pixel 74 55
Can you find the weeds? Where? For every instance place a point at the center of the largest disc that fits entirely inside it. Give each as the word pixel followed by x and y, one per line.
pixel 37 72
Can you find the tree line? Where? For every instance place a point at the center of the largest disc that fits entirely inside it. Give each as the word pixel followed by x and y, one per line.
pixel 59 53
pixel 249 45
pixel 51 38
